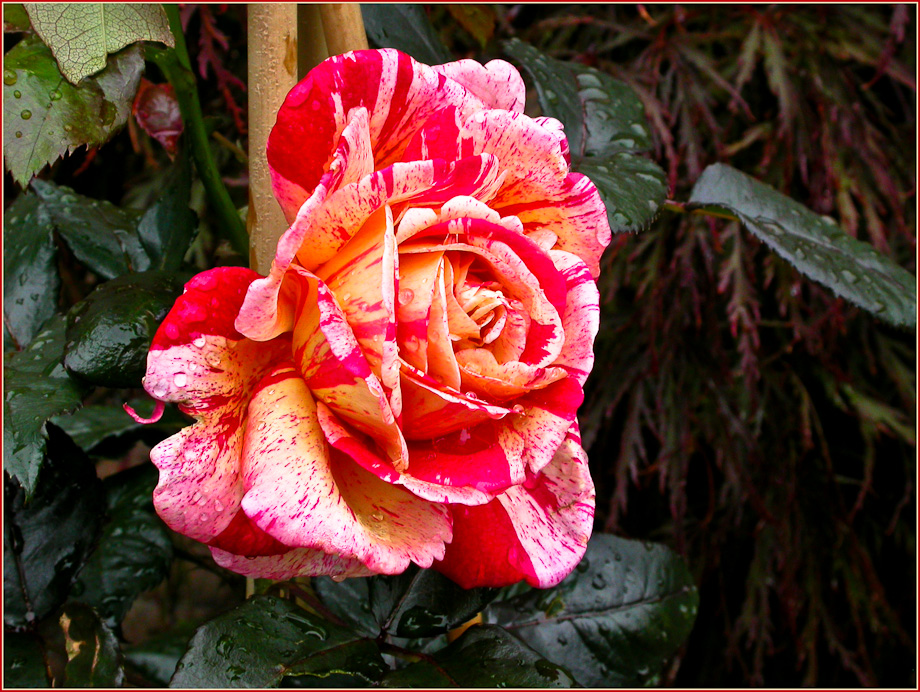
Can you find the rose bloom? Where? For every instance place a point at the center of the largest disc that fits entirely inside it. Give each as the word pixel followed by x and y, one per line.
pixel 403 385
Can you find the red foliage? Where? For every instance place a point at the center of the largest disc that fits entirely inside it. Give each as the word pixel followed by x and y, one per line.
pixel 157 112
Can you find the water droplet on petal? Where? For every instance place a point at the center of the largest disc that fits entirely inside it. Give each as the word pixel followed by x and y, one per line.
pixel 405 296
pixel 377 516
pixel 338 578
pixel 172 331
pixel 218 505
pixel 203 517
pixel 199 342
pixel 196 498
pixel 180 379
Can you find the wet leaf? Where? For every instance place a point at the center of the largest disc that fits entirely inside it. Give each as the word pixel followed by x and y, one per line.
pixel 614 621
pixel 47 538
pixel 94 658
pixel 156 659
pixel 44 116
pixel 81 35
pixel 24 662
pixel 406 28
pixel 109 332
pixel 813 244
pixel 156 110
pixel 30 278
pixel 102 236
pixel 633 188
pixel 36 387
pixel 606 125
pixel 231 651
pixel 134 550
pixel 484 656
pixel 168 227
pixel 416 603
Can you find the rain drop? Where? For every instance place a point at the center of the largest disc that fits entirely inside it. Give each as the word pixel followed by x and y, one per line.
pixel 199 342
pixel 18 134
pixel 849 276
pixel 218 505
pixel 196 498
pixel 203 517
pixel 9 77
pixel 68 128
pixel 405 296
pixel 339 578
pixel 599 582
pixel 17 94
pixel 377 516
pixel 56 95
pixel 26 114
pixel 180 379
pixel 800 253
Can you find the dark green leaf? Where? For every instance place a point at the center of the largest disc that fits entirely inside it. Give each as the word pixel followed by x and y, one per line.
pixel 813 244
pixel 134 550
pixel 94 658
pixel 47 538
pixel 168 227
pixel 406 28
pixel 605 124
pixel 15 17
pixel 156 659
pixel 92 425
pixel 30 278
pixel 602 115
pixel 81 35
pixel 615 620
pixel 633 188
pixel 416 603
pixel 231 650
pixel 44 116
pixel 36 387
pixel 102 236
pixel 24 662
pixel 484 656
pixel 109 332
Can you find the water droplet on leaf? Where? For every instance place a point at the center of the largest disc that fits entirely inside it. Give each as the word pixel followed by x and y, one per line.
pixel 26 114
pixel 9 77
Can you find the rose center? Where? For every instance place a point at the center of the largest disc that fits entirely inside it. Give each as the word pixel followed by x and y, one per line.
pixel 486 309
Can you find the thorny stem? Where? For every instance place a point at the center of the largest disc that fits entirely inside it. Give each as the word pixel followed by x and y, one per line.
pixel 681 208
pixel 177 67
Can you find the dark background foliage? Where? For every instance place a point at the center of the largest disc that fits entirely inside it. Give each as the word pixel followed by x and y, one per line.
pixel 738 412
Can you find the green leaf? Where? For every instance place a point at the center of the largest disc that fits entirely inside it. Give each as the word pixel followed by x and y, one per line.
pixel 605 124
pixel 231 650
pixel 484 656
pixel 44 116
pixel 813 244
pixel 47 538
pixel 36 387
pixel 633 188
pixel 416 603
pixel 134 550
pixel 24 662
pixel 92 425
pixel 30 278
pixel 406 28
pixel 615 620
pixel 109 332
pixel 102 236
pixel 81 35
pixel 602 115
pixel 168 226
pixel 94 658
pixel 15 17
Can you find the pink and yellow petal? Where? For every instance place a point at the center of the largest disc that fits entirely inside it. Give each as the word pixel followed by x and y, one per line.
pixel 299 562
pixel 581 318
pixel 307 495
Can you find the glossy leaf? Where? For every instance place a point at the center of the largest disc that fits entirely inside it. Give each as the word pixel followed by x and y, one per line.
pixel 232 650
pixel 484 656
pixel 30 278
pixel 94 658
pixel 36 387
pixel 167 228
pixel 406 28
pixel 102 236
pixel 47 538
pixel 602 115
pixel 44 116
pixel 633 188
pixel 416 603
pixel 81 35
pixel 92 425
pixel 615 620
pixel 134 551
pixel 813 244
pixel 109 332
pixel 605 124
pixel 24 662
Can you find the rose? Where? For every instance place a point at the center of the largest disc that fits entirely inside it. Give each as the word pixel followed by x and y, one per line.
pixel 403 385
